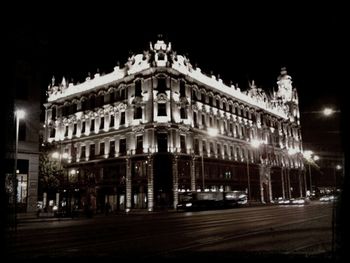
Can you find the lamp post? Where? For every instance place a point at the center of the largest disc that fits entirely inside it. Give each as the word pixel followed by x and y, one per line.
pixel 308 156
pixel 254 144
pixel 59 155
pixel 337 167
pixel 19 114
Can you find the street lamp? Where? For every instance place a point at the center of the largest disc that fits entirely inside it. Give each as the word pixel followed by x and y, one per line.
pixel 328 111
pixel 19 114
pixel 59 156
pixel 337 167
pixel 308 155
pixel 255 144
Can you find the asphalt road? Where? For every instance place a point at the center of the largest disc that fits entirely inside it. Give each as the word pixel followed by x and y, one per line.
pixel 282 230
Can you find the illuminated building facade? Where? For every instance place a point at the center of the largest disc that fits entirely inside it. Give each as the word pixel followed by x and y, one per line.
pixel 141 134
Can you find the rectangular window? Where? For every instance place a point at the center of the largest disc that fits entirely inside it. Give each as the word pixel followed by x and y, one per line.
pixel 195 121
pixel 183 143
pixel 100 100
pixel 161 87
pixel 83 151
pixel 217 103
pixel 52 132
pixel 122 118
pixel 122 147
pixel 74 153
pixel 194 95
pixel 92 125
pixel 139 144
pixel 123 94
pixel 137 113
pixel 111 123
pixel 162 140
pixel 92 151
pixel 182 89
pixel 102 148
pixel 92 101
pixel 112 97
pixel 85 105
pixel 66 131
pixel 112 148
pixel 74 129
pixel 219 149
pixel 162 109
pixel 205 152
pixel 107 98
pixel 203 120
pixel 212 148
pixel 53 113
pixel 196 146
pixel 102 123
pixel 183 113
pixel 22 131
pixel 117 95
pixel 83 127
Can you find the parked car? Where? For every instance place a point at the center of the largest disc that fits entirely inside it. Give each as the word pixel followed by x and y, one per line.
pixel 329 198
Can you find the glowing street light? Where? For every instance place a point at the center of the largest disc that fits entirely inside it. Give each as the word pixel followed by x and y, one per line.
pixel 309 156
pixel 328 111
pixel 19 114
pixel 255 144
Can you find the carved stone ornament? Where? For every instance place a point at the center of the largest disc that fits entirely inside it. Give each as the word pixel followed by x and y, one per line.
pixel 138 129
pixel 122 106
pixel 162 97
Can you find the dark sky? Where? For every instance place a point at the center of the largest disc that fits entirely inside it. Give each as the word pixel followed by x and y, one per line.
pixel 239 43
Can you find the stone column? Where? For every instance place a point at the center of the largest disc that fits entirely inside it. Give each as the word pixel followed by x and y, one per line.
pixel 150 183
pixel 300 183
pixel 270 186
pixel 128 184
pixel 288 183
pixel 175 180
pixel 261 182
pixel 282 179
pixel 305 182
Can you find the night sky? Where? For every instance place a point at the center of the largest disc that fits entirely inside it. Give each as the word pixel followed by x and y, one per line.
pixel 239 43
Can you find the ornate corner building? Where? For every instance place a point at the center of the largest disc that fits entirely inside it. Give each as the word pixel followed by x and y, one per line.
pixel 141 134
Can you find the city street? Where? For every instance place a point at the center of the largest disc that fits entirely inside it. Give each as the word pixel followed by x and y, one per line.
pixel 287 230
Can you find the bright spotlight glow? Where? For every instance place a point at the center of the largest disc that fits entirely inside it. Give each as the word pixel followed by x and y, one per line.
pixel 255 143
pixel 307 154
pixel 328 111
pixel 212 132
pixel 316 158
pixel 65 155
pixel 55 155
pixel 338 167
pixel 20 114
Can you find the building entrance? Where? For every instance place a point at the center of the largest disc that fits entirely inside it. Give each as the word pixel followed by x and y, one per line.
pixel 163 183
